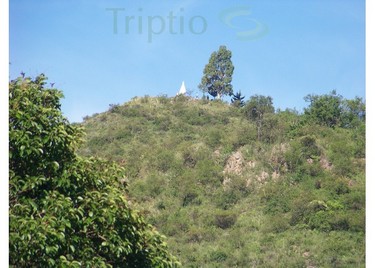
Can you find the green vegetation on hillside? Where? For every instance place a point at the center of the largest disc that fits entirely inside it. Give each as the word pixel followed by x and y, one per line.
pixel 243 186
pixel 66 210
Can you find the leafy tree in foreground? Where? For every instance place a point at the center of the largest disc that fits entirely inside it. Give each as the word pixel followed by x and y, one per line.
pixel 238 100
pixel 217 74
pixel 64 210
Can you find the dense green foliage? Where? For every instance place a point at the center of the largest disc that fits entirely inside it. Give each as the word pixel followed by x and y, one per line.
pixel 217 74
pixel 228 192
pixel 65 210
pixel 257 106
pixel 332 110
pixel 255 110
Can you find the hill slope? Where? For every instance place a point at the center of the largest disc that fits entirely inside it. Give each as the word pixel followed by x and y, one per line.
pixel 229 192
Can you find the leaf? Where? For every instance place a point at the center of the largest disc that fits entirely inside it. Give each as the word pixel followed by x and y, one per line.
pixel 61 235
pixel 33 204
pixel 55 165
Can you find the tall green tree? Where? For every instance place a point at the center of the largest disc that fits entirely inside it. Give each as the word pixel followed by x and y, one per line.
pixel 64 210
pixel 217 74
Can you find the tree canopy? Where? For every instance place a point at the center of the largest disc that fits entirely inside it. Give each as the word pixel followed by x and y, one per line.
pixel 333 110
pixel 257 106
pixel 217 74
pixel 66 210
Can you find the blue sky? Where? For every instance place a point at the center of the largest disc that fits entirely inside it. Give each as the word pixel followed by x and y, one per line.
pixel 282 48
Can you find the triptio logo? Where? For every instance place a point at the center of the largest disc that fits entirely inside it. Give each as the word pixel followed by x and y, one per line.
pixel 245 27
pixel 155 25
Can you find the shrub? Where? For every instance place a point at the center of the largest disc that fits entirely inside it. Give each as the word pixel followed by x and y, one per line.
pixel 271 129
pixel 246 134
pixel 233 192
pixel 208 173
pixel 226 199
pixel 178 222
pixel 214 137
pixel 218 256
pixel 337 186
pixel 357 221
pixel 163 99
pixel 359 138
pixel 163 160
pixel 114 108
pixel 356 200
pixel 190 158
pixel 276 224
pixel 309 147
pixel 276 198
pixel 191 198
pixel 145 99
pixel 225 219
pixel 340 222
pixel 300 152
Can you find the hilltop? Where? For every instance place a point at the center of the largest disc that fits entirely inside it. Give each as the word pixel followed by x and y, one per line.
pixel 230 191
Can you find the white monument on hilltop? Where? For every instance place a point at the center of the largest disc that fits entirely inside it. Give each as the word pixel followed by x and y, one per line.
pixel 182 89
